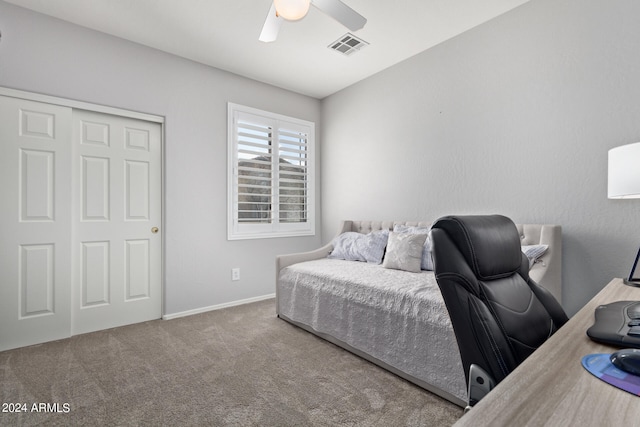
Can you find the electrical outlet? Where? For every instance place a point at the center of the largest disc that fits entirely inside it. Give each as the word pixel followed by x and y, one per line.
pixel 235 274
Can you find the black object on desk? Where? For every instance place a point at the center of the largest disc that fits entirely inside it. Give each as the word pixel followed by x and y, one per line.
pixel 617 323
pixel 633 281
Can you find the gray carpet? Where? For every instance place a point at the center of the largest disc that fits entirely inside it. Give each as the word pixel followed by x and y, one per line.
pixel 241 366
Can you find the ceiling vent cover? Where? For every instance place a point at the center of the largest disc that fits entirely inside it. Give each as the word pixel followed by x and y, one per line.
pixel 348 44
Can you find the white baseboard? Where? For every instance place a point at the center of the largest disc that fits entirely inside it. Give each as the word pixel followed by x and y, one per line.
pixel 216 307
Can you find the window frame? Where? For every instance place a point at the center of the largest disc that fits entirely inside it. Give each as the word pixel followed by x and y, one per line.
pixel 236 230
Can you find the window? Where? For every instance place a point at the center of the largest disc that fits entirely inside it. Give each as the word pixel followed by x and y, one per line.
pixel 271 175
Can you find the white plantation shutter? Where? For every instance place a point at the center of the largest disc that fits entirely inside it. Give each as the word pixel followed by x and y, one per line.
pixel 293 176
pixel 271 175
pixel 254 173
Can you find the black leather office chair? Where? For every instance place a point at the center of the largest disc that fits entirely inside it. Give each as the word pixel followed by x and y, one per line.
pixel 499 315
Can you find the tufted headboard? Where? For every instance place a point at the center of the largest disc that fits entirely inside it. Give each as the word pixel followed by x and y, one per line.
pixel 547 271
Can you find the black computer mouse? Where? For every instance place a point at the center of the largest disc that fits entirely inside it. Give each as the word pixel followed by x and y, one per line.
pixel 627 359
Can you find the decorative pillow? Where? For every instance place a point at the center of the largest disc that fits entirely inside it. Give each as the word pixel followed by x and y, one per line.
pixel 353 246
pixel 427 260
pixel 533 252
pixel 404 251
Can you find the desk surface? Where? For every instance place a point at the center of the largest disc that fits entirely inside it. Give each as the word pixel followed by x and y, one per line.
pixel 563 393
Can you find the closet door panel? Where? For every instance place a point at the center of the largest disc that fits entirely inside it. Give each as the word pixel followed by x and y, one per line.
pixel 118 195
pixel 35 219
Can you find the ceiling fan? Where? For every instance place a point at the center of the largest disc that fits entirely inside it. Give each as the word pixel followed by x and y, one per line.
pixel 293 10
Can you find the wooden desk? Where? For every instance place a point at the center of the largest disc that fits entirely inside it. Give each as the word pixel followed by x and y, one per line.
pixel 551 388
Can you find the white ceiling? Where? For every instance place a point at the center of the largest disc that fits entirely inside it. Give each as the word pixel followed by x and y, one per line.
pixel 224 34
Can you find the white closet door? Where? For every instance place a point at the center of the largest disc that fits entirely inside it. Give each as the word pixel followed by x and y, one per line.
pixel 117 219
pixel 35 222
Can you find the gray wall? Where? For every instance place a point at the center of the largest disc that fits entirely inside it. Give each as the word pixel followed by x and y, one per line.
pixel 45 55
pixel 513 117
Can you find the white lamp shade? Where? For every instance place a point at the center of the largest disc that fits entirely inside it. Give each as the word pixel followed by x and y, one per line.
pixel 292 10
pixel 624 172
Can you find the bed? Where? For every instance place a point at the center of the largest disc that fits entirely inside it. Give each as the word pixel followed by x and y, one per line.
pixel 394 318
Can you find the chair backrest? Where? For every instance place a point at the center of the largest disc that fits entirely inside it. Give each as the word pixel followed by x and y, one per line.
pixel 499 314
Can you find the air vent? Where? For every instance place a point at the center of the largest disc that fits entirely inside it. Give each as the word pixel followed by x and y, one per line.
pixel 348 44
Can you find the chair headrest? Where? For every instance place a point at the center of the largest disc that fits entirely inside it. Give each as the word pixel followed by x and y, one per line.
pixel 489 243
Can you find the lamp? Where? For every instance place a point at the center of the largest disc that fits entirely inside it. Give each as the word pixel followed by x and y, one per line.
pixel 624 183
pixel 292 10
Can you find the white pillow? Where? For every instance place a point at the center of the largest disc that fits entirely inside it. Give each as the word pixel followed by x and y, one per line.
pixel 353 246
pixel 427 260
pixel 404 251
pixel 533 252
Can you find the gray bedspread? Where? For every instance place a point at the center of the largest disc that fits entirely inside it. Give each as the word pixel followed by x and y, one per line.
pixel 395 316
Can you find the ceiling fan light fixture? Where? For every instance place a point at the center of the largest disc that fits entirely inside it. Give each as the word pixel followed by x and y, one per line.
pixel 292 10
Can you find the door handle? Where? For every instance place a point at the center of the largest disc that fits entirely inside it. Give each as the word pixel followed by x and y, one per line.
pixel 154 230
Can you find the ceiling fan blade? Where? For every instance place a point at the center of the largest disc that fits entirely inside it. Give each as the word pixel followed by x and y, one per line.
pixel 271 26
pixel 341 13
